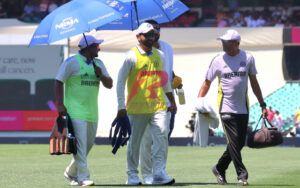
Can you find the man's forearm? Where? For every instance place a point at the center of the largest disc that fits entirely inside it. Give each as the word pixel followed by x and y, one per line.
pixel 59 92
pixel 170 97
pixel 106 81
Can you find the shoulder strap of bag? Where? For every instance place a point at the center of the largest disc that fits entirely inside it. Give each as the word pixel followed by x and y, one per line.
pixel 265 122
pixel 258 123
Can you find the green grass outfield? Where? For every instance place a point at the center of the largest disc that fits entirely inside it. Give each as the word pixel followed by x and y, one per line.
pixel 32 166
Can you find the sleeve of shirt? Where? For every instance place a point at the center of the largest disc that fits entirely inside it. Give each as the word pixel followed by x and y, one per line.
pixel 171 59
pixel 129 63
pixel 67 69
pixel 252 68
pixel 212 70
pixel 103 68
pixel 167 88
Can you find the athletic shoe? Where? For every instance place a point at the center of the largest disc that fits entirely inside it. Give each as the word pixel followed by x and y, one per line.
pixel 162 178
pixel 133 179
pixel 74 183
pixel 220 176
pixel 147 179
pixel 72 180
pixel 87 182
pixel 243 182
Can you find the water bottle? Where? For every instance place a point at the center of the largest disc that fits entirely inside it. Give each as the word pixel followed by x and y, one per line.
pixel 181 98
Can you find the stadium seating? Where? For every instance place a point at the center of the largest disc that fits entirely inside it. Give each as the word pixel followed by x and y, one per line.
pixel 15 94
pixel 286 100
pixel 44 92
pixel 188 19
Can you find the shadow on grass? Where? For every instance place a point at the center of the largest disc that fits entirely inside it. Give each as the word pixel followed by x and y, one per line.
pixel 271 185
pixel 192 183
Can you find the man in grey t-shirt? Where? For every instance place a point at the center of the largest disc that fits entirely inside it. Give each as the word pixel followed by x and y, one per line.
pixel 233 67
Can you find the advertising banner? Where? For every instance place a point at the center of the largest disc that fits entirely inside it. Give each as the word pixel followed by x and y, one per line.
pixel 27 76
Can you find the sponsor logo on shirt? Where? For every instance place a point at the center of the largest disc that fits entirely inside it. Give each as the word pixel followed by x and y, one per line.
pixel 89 83
pixel 243 64
pixel 234 74
pixel 225 116
pixel 145 66
pixel 86 75
pixel 156 63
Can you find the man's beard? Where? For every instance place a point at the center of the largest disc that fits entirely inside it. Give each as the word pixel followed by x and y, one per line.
pixel 156 38
pixel 147 43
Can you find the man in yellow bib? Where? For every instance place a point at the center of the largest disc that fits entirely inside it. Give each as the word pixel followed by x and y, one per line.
pixel 81 75
pixel 147 85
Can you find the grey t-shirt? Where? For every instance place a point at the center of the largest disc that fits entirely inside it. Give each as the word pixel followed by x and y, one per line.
pixel 232 72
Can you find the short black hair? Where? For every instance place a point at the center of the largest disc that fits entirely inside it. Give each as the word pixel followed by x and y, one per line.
pixel 151 22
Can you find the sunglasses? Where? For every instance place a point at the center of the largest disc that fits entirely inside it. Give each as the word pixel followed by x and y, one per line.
pixel 228 41
pixel 157 28
pixel 148 35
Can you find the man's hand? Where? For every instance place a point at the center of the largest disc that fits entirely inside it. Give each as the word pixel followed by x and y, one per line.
pixel 179 87
pixel 176 83
pixel 264 112
pixel 122 113
pixel 62 111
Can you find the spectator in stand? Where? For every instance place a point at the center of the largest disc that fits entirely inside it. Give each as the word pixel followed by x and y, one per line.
pixel 260 22
pixel 237 23
pixel 277 12
pixel 237 14
pixel 279 23
pixel 3 13
pixel 43 8
pixel 278 121
pixel 271 114
pixel 29 14
pixel 222 22
pixel 52 6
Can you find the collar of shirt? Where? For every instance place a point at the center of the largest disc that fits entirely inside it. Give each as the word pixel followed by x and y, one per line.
pixel 143 52
pixel 84 59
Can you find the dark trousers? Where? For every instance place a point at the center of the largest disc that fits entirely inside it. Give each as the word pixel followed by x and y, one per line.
pixel 235 128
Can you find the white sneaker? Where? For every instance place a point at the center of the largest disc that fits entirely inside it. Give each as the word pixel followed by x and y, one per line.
pixel 87 182
pixel 147 179
pixel 162 179
pixel 133 179
pixel 74 183
pixel 72 180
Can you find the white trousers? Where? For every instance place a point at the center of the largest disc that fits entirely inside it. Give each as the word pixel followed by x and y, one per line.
pixel 146 149
pixel 85 133
pixel 159 129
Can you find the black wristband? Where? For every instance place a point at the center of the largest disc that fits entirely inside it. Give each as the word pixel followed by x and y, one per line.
pixel 263 105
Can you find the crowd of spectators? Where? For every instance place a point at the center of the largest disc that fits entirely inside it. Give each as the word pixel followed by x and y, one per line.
pixel 239 13
pixel 220 13
pixel 286 16
pixel 28 10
